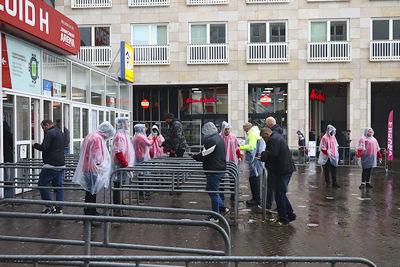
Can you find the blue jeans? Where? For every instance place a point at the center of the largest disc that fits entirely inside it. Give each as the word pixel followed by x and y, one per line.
pixel 285 210
pixel 255 187
pixel 55 177
pixel 213 181
pixel 66 151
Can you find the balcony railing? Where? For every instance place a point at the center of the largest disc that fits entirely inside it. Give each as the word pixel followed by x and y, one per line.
pixel 335 51
pixel 266 1
pixel 139 3
pixel 267 52
pixel 95 55
pixel 207 54
pixel 384 50
pixel 151 54
pixel 91 3
pixel 207 2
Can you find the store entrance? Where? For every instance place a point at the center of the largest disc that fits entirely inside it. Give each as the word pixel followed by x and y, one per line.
pixel 328 105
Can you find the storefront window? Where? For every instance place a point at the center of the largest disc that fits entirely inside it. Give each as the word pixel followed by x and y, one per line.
pixel 55 76
pixel 124 101
pixel 112 93
pixel 80 83
pixel 85 122
pixel 97 90
pixel 77 122
pixel 47 110
pixel 56 111
pixel 23 118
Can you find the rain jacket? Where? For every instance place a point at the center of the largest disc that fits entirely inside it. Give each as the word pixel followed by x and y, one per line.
pixel 156 150
pixel 368 150
pixel 213 154
pixel 329 148
pixel 254 144
pixel 141 144
pixel 232 151
pixel 52 147
pixel 122 152
pixel 94 166
pixel 175 138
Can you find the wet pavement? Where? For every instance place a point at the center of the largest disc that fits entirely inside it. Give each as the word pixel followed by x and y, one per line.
pixel 330 222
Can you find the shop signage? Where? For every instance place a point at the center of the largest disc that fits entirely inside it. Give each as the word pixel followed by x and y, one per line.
pixel 145 103
pixel 41 24
pixel 46 88
pixel 390 137
pixel 56 89
pixel 202 100
pixel 126 62
pixel 20 65
pixel 317 96
pixel 265 100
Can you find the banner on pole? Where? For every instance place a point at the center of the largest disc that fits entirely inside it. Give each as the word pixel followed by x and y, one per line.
pixel 390 137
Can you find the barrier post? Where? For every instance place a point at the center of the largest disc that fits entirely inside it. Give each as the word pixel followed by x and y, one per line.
pixel 87 237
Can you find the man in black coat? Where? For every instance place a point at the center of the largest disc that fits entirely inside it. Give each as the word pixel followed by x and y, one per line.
pixel 175 142
pixel 213 158
pixel 277 155
pixel 52 149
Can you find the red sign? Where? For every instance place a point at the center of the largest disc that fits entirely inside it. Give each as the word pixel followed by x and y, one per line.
pixel 202 100
pixel 145 103
pixel 265 100
pixel 40 23
pixel 317 95
pixel 390 137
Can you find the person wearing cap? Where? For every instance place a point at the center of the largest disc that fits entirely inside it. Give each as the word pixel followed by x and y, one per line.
pixel 175 142
pixel 94 166
pixel 329 155
pixel 156 149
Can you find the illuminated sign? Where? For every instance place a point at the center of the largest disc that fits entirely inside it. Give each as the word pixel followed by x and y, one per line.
pixel 202 100
pixel 145 103
pixel 265 100
pixel 126 62
pixel 317 96
pixel 123 101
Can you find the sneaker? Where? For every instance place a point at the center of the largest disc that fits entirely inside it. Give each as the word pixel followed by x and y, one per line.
pixel 212 219
pixel 223 211
pixel 278 223
pixel 49 210
pixel 362 186
pixel 368 185
pixel 335 185
pixel 252 202
pixel 57 211
pixel 292 218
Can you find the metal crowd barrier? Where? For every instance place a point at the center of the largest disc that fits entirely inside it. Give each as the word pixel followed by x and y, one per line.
pixel 223 230
pixel 135 261
pixel 174 175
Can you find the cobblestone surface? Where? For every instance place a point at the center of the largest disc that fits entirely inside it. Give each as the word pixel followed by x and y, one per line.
pixel 330 222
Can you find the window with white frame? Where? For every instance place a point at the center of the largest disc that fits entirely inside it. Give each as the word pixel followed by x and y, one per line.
pixel 95 35
pixel 386 29
pixel 330 30
pixel 267 32
pixel 149 34
pixel 208 33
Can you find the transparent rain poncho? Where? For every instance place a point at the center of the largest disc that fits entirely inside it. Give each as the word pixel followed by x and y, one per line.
pixel 94 166
pixel 122 143
pixel 141 144
pixel 329 143
pixel 156 150
pixel 369 149
pixel 257 165
pixel 231 143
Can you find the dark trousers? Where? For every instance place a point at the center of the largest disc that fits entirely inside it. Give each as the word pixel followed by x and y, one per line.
pixel 90 198
pixel 329 168
pixel 285 210
pixel 366 174
pixel 270 189
pixel 213 181
pixel 55 178
pixel 117 194
pixel 179 153
pixel 255 187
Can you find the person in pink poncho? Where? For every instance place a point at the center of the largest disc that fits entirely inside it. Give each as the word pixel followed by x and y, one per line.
pixel 329 155
pixel 141 144
pixel 232 151
pixel 368 150
pixel 156 149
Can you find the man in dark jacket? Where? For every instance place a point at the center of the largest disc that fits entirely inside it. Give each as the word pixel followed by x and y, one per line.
pixel 175 142
pixel 52 149
pixel 277 156
pixel 213 158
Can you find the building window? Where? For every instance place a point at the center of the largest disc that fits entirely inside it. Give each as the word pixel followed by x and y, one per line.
pixel 149 34
pixel 325 31
pixel 210 33
pixel 386 29
pixel 266 32
pixel 95 36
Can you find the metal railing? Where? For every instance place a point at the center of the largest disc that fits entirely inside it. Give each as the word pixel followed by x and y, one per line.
pixel 386 50
pixel 334 51
pixel 266 1
pixel 208 54
pixel 141 3
pixel 267 52
pixel 95 55
pixel 151 54
pixel 207 2
pixel 91 3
